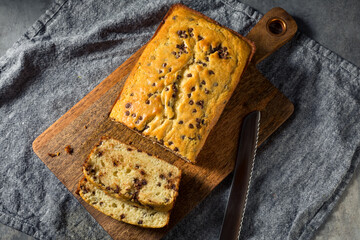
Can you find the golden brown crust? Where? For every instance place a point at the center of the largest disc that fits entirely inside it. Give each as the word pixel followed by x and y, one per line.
pixel 194 146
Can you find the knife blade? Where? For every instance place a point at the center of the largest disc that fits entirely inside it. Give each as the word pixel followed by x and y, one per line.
pixel 236 205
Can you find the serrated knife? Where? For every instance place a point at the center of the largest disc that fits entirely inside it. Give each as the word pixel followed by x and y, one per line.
pixel 236 205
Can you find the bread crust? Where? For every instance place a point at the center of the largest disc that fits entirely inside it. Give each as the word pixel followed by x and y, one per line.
pixel 219 108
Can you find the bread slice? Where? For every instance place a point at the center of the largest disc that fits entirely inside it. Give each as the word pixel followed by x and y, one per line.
pixel 130 174
pixel 121 210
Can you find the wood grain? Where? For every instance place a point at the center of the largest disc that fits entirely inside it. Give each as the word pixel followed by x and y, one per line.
pixel 84 124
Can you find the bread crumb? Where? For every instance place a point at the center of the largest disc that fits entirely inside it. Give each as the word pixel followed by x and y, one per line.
pixel 54 154
pixel 69 149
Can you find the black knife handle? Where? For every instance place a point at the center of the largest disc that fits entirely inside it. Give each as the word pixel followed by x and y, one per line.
pixel 235 209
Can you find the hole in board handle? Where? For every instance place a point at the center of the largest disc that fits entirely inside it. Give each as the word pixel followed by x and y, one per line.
pixel 276 26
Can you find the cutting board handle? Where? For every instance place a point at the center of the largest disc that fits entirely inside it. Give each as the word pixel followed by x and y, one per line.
pixel 273 30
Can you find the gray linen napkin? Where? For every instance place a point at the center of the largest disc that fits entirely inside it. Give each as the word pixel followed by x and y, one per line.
pixel 299 174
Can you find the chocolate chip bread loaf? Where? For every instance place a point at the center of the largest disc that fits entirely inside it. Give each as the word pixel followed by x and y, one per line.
pixel 182 81
pixel 130 174
pixel 119 209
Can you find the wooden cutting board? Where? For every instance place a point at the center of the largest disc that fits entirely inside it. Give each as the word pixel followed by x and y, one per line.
pixel 84 124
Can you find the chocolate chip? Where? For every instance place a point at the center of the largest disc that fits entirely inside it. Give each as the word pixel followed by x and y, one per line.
pixel 216 84
pixel 176 149
pixel 117 189
pixel 137 166
pixel 203 82
pixel 204 64
pixel 115 162
pixel 107 188
pixel 193 89
pixel 122 216
pixel 149 154
pixel 133 115
pixel 142 172
pixel 160 71
pixel 164 64
pixel 190 32
pixel 166 89
pixel 158 184
pixel 198 120
pixel 173 95
pixel 170 69
pixel 181 47
pixel 211 72
pixel 128 105
pixel 140 118
pixel 162 176
pixel 191 102
pixel 191 126
pixel 203 122
pixel 174 53
pixel 170 143
pixel 178 77
pixel 194 110
pixel 101 203
pixel 166 199
pixel 143 182
pixel 161 141
pixel 170 174
pixel 189 75
pixel 173 186
pixel 129 149
pixel 99 153
pixel 200 103
pixel 147 102
pixel 189 95
pixel 198 125
pixel 154 84
pixel 182 34
pixel 140 222
pixel 200 38
pixel 150 94
pixel 131 94
pixel 181 122
pixel 182 137
pixel 207 91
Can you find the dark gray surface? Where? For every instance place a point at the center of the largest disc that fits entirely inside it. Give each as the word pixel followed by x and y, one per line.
pixel 316 20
